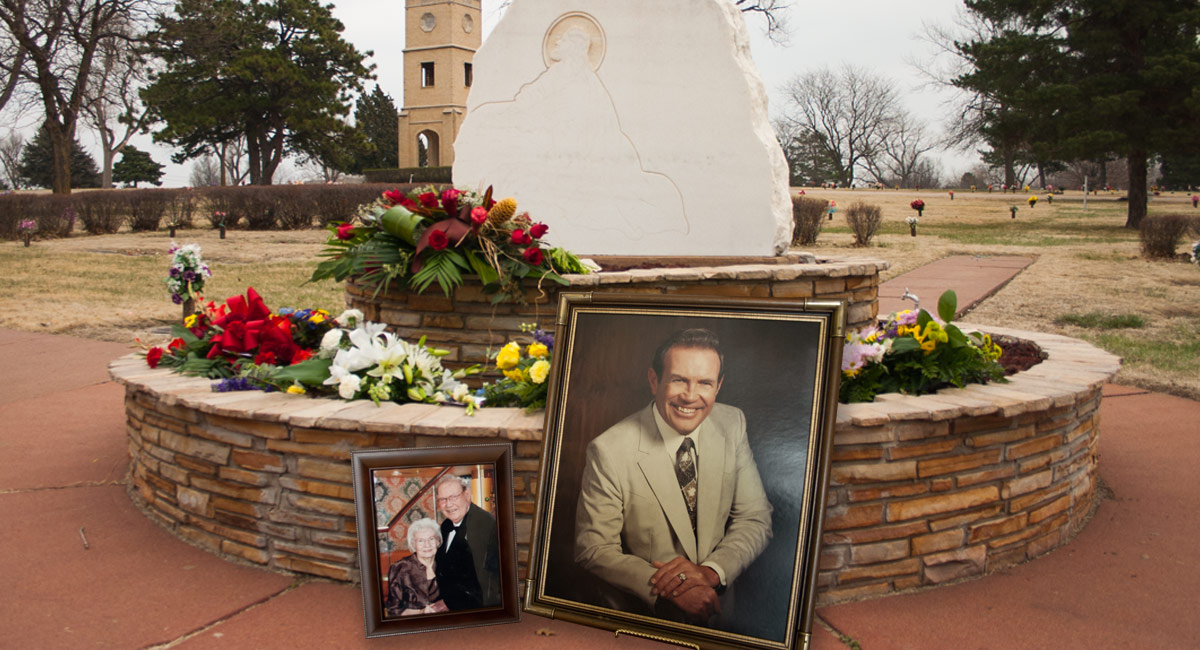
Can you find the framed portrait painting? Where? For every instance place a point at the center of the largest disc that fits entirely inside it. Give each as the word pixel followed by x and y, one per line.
pixel 684 467
pixel 435 537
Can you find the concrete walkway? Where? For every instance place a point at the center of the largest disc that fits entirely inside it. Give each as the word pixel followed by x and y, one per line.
pixel 82 568
pixel 973 278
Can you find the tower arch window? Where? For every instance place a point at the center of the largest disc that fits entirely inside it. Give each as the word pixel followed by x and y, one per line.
pixel 468 74
pixel 427 74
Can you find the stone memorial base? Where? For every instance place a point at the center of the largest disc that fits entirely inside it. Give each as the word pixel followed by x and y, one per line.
pixel 923 490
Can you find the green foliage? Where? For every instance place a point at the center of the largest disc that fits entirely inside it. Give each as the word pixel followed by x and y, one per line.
pixel 37 163
pixel 915 355
pixel 410 175
pixel 276 73
pixel 377 119
pixel 1100 320
pixel 136 166
pixel 1075 79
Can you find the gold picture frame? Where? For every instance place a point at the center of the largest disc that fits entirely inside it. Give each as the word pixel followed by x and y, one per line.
pixel 397 505
pixel 611 502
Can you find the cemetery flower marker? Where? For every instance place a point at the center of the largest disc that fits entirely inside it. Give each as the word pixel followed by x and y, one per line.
pixel 1195 200
pixel 918 205
pixel 1032 200
pixel 185 278
pixel 1013 209
pixel 26 228
pixel 912 225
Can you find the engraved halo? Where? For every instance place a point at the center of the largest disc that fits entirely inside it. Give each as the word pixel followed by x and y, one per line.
pixel 575 19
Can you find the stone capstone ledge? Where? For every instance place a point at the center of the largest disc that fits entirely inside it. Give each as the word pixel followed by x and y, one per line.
pixel 470 327
pixel 923 490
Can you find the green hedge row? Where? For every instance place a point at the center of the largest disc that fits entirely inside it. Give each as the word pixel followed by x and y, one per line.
pixel 252 207
pixel 409 175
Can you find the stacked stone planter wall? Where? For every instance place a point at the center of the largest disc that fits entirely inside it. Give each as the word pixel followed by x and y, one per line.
pixel 924 490
pixel 469 325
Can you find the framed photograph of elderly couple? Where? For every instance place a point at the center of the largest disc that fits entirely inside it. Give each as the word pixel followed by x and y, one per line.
pixel 684 467
pixel 435 538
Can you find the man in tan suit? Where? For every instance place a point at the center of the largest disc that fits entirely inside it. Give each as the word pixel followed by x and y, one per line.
pixel 671 507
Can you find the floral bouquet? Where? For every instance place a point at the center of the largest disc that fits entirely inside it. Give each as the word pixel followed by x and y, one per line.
pixel 1032 200
pixel 918 205
pixel 915 353
pixel 246 346
pixel 912 224
pixel 423 237
pixel 1194 253
pixel 524 382
pixel 185 279
pixel 25 228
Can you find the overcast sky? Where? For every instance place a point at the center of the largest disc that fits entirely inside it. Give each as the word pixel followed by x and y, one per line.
pixel 882 36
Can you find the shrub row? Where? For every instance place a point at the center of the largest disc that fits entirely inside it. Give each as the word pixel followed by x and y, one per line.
pixel 252 207
pixel 409 175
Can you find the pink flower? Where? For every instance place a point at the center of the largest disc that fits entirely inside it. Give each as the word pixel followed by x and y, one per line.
pixel 345 231
pixel 438 240
pixel 537 230
pixel 533 255
pixel 450 201
pixel 478 215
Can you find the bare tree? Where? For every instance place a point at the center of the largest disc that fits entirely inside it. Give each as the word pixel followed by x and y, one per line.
pixel 113 108
pixel 10 159
pixel 900 158
pixel 774 12
pixel 50 47
pixel 235 165
pixel 852 111
pixel 205 172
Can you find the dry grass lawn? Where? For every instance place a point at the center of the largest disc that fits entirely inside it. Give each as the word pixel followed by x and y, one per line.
pixel 110 287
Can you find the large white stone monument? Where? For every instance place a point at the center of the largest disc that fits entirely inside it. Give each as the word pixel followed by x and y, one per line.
pixel 630 127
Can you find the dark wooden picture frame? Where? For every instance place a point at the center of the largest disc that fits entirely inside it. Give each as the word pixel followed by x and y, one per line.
pixel 610 505
pixel 393 489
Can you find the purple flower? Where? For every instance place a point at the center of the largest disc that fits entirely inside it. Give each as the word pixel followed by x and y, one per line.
pixel 174 271
pixel 233 384
pixel 189 276
pixel 177 299
pixel 544 337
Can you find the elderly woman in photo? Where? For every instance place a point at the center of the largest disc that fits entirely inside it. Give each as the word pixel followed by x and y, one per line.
pixel 412 588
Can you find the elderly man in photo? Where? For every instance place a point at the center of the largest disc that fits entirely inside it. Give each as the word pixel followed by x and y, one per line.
pixel 671 507
pixel 468 561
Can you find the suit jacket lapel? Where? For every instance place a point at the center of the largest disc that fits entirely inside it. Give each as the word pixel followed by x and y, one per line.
pixel 711 476
pixel 659 472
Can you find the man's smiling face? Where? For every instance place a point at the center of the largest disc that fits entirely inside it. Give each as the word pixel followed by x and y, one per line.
pixel 685 393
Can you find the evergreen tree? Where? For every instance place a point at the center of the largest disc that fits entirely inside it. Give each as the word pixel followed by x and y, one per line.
pixel 276 73
pixel 1091 80
pixel 37 163
pixel 377 119
pixel 136 166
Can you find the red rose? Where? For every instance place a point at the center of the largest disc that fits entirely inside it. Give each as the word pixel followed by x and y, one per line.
pixel 177 344
pixel 533 255
pixel 450 201
pixel 302 355
pixel 395 196
pixel 478 216
pixel 537 230
pixel 265 357
pixel 428 199
pixel 345 231
pixel 438 239
pixel 153 356
pixel 276 339
pixel 408 203
pixel 521 238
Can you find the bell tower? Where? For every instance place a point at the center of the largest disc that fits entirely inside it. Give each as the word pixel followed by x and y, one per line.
pixel 441 37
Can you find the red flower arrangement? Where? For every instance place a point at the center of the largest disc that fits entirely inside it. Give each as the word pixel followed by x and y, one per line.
pixel 918 205
pixel 423 237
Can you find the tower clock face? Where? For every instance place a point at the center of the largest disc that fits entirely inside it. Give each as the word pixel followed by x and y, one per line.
pixel 428 22
pixel 468 23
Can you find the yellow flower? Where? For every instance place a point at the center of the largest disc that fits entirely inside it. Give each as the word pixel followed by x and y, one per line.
pixel 514 374
pixel 928 345
pixel 509 356
pixel 539 371
pixel 935 332
pixel 190 321
pixel 537 351
pixel 296 389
